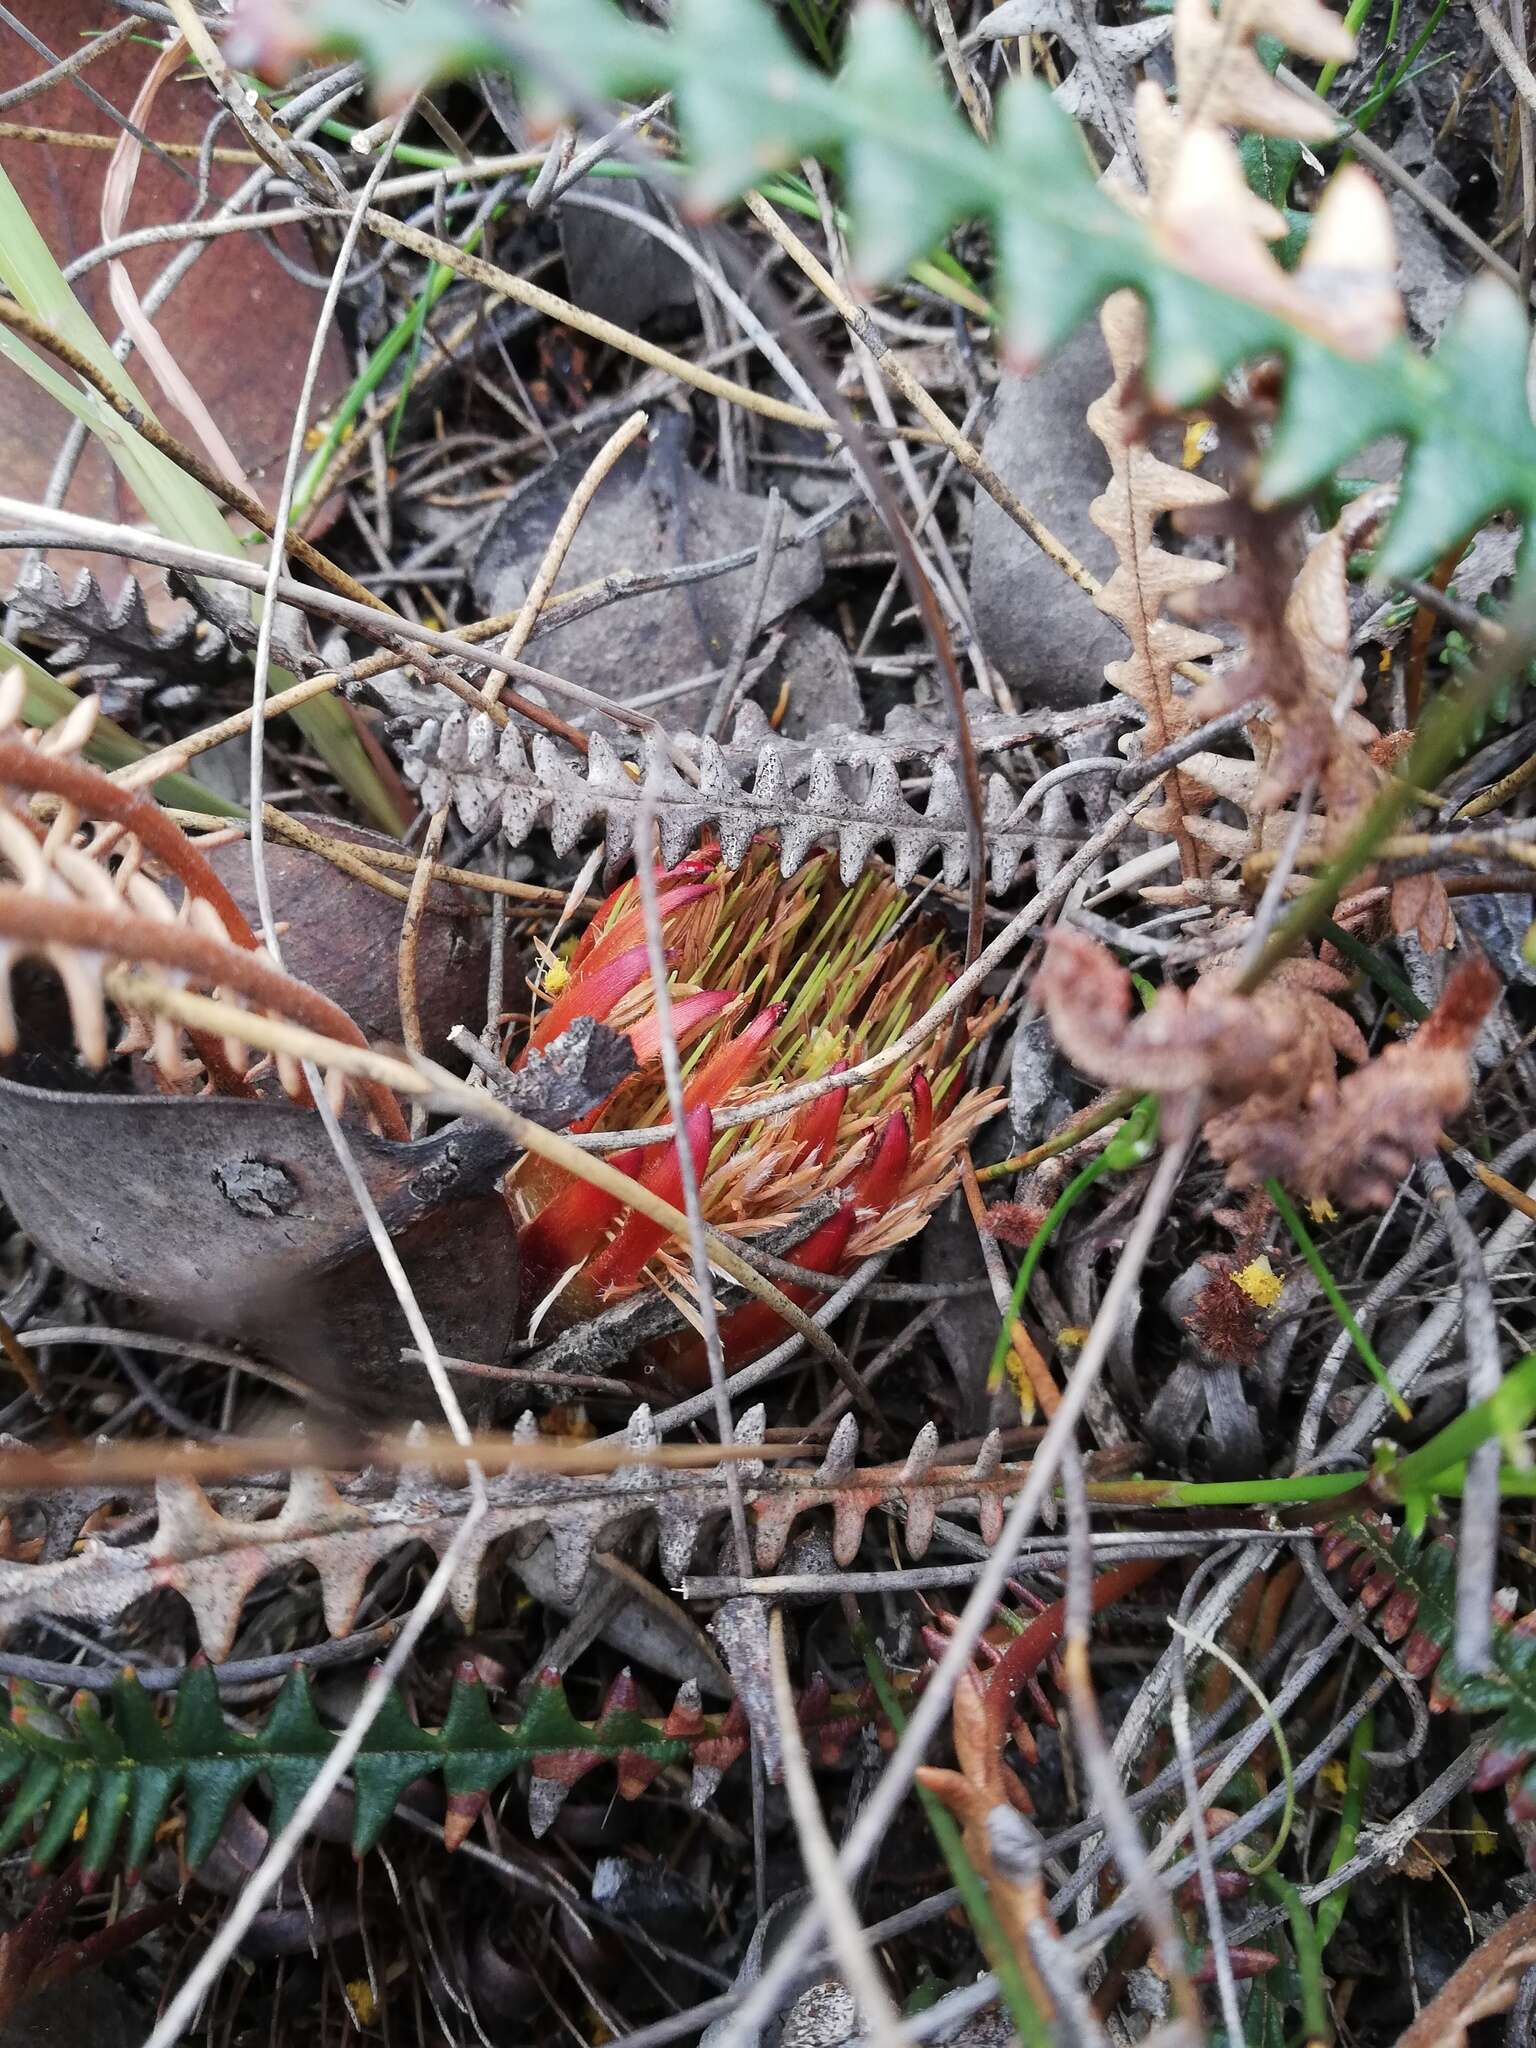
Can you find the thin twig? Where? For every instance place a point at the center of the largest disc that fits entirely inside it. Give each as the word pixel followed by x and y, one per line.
pixel 822 1865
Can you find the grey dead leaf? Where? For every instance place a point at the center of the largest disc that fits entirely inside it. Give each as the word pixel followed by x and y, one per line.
pixel 654 512
pixel 1038 629
pixel 111 643
pixel 618 271
pixel 1101 85
pixel 236 1218
pixel 1432 279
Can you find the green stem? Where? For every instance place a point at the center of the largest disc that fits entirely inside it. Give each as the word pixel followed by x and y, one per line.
pixel 1330 1911
pixel 1125 1148
pixel 1309 1956
pixel 1371 964
pixel 1291 1218
pixel 1508 1408
pixel 1379 97
pixel 1359 9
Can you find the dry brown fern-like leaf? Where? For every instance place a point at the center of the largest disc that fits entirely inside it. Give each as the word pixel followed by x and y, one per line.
pixel 1142 490
pixel 1265 1066
pixel 545 1527
pixel 1356 1138
pixel 1296 633
pixel 82 898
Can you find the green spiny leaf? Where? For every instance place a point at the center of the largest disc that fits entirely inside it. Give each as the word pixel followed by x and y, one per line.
pixel 748 102
pixel 122 1772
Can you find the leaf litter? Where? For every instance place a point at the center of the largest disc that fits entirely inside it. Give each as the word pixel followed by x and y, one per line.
pixel 1203 771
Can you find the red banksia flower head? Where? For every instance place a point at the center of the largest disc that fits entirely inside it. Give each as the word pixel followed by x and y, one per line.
pixel 773 982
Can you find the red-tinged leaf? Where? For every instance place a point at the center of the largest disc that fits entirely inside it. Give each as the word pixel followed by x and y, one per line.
pixel 619 1264
pixel 1399 1614
pixel 757 1327
pixel 594 996
pixel 629 928
pixel 1246 1962
pixel 922 1108
pixel 690 1015
pixel 1496 1767
pixel 567 1230
pixel 597 930
pixel 1377 1588
pixel 877 1182
pixel 817 1125
pixel 1421 1653
pixel 733 1064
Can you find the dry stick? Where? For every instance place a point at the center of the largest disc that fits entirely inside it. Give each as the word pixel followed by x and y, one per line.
pixel 267 133
pixel 505 284
pixel 124 122
pixel 698 1257
pixel 1478 1548
pixel 1108 1798
pixel 820 1861
pixel 516 640
pixel 925 599
pixel 189 231
pixel 142 1462
pixel 762 575
pixel 407 949
pixel 396 633
pixel 213 480
pixel 928 1715
pixel 40 922
pixel 362 860
pixel 433 1084
pixel 180 2014
pixel 66 67
pixel 966 453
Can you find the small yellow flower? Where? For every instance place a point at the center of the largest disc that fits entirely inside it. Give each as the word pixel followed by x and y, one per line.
pixel 1321 1210
pixel 1260 1282
pixel 1199 440
pixel 365 2007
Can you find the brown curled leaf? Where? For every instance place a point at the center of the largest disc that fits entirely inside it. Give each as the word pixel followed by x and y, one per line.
pixel 1265 1065
pixel 1420 905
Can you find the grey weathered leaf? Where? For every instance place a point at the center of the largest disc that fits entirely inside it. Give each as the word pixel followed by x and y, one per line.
pixel 654 511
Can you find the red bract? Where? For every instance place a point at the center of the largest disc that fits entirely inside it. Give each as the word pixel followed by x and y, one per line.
pixel 772 982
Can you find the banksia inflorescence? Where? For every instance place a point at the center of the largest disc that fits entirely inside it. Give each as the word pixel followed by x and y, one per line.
pixel 774 981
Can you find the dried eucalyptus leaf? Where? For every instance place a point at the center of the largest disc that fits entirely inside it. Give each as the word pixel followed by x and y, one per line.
pixel 1041 631
pixel 654 511
pixel 235 1217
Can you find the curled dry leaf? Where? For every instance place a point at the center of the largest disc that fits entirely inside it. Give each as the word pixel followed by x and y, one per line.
pixel 1357 1140
pixel 1265 1065
pixel 1296 635
pixel 1142 490
pixel 1419 904
pixel 1485 1984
